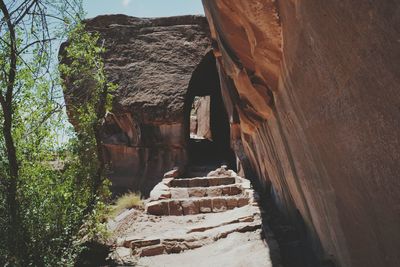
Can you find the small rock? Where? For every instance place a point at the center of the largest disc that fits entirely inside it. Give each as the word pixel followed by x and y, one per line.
pixel 167 181
pixel 160 191
pixel 152 251
pixel 172 173
pixel 123 256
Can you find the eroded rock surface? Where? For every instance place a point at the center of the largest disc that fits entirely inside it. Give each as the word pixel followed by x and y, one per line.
pixel 151 61
pixel 311 89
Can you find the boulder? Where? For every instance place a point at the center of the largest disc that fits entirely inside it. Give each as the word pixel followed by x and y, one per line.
pixel 151 60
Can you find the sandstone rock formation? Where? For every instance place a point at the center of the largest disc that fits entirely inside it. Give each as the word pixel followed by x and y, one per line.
pixel 152 62
pixel 312 92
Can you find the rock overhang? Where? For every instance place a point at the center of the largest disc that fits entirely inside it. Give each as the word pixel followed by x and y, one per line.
pixel 152 61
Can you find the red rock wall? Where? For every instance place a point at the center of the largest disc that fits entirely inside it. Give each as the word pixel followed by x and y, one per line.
pixel 312 91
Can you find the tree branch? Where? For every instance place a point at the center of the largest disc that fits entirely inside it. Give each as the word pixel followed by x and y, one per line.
pixel 13 55
pixel 4 41
pixel 46 15
pixel 24 13
pixel 19 7
pixel 35 42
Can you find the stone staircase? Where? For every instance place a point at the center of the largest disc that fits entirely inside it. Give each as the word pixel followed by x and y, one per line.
pixel 187 219
pixel 199 195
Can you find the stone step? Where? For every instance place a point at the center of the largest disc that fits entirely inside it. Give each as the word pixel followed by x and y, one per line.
pixel 150 227
pixel 192 240
pixel 200 213
pixel 202 181
pixel 188 206
pixel 212 191
pixel 196 173
pixel 173 188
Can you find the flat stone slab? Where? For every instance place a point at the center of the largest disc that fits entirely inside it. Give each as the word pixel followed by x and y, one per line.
pixel 202 181
pixel 196 205
pixel 212 191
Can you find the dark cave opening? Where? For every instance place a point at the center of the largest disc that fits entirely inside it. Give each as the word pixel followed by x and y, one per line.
pixel 206 121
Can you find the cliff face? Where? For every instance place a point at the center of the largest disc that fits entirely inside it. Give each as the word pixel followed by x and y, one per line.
pixel 151 61
pixel 312 92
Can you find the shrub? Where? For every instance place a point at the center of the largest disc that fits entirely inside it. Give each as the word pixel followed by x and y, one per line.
pixel 127 201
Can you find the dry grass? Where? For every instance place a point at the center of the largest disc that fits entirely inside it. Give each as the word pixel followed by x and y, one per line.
pixel 127 201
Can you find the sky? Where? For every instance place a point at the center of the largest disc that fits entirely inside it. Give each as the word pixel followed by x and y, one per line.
pixel 143 8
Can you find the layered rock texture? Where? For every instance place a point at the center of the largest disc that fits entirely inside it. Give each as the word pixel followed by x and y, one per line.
pixel 312 92
pixel 312 95
pixel 151 61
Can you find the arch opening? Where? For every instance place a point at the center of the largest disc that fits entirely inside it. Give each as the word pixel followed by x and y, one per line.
pixel 207 128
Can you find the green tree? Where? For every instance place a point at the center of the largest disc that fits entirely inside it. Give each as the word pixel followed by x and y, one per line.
pixel 83 72
pixel 47 190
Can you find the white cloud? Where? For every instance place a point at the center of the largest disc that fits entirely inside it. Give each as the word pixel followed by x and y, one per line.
pixel 126 2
